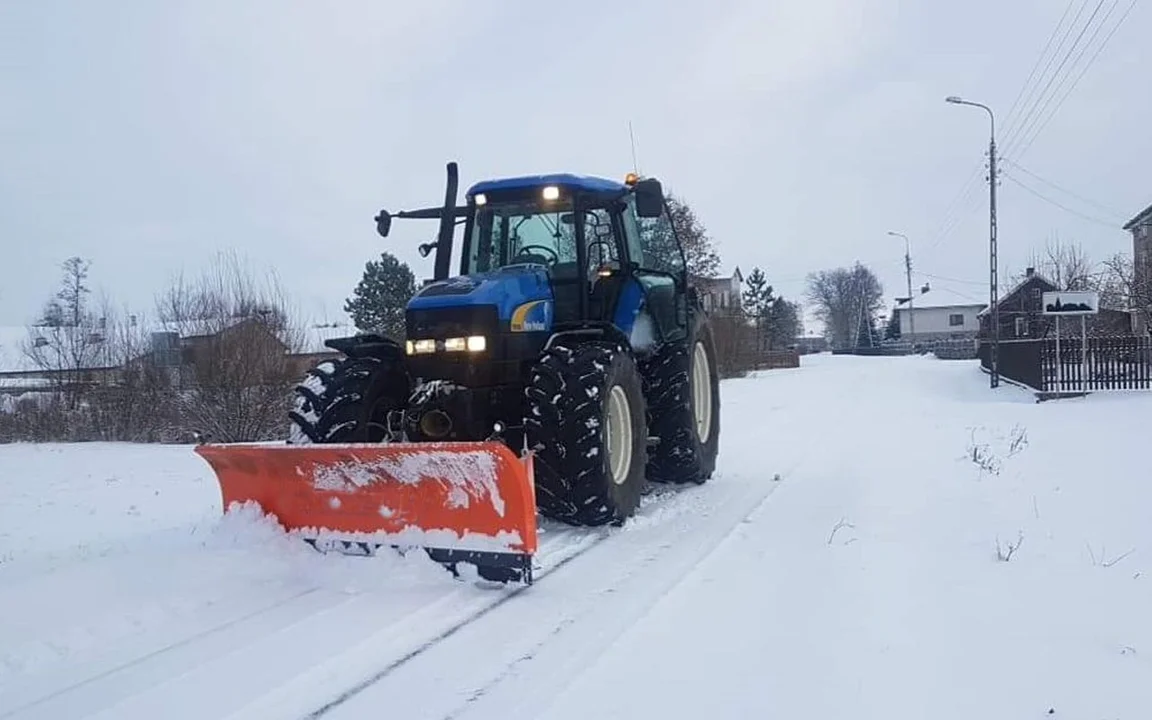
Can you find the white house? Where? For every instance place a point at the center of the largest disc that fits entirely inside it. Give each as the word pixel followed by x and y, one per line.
pixel 939 314
pixel 722 294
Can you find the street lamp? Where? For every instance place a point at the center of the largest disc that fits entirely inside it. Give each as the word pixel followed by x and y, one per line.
pixel 994 360
pixel 908 271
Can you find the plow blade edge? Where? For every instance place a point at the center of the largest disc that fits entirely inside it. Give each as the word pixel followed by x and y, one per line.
pixel 464 502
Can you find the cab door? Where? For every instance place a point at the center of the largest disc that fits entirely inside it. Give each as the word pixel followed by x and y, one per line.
pixel 658 269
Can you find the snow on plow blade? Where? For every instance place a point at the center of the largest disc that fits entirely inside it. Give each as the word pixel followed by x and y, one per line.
pixel 468 502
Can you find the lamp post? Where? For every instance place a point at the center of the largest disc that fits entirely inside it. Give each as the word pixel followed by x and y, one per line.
pixel 908 272
pixel 994 359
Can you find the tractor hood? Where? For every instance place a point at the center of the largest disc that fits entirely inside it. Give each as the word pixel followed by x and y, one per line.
pixel 506 288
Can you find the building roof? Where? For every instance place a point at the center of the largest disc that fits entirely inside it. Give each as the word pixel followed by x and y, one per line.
pixel 701 280
pixel 1143 218
pixel 1034 277
pixel 941 298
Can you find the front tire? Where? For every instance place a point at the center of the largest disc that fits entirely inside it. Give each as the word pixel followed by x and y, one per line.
pixel 586 424
pixel 347 400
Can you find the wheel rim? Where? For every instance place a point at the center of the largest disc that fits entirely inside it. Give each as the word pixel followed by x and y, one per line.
pixel 701 392
pixel 619 435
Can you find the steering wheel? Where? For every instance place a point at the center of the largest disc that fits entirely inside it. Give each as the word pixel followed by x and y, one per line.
pixel 555 256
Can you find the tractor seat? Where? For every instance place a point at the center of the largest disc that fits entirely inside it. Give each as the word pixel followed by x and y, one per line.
pixel 566 289
pixel 605 293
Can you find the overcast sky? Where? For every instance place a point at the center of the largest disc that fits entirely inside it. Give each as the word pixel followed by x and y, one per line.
pixel 147 135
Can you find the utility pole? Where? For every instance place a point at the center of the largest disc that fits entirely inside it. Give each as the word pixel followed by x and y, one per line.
pixel 993 289
pixel 908 273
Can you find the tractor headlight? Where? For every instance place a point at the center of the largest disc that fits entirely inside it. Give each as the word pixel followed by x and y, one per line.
pixel 474 343
pixel 551 192
pixel 420 347
pixel 481 199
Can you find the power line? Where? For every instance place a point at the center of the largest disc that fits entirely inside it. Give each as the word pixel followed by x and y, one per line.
pixel 1066 191
pixel 962 205
pixel 1029 98
pixel 1027 128
pixel 1015 103
pixel 1065 208
pixel 952 279
pixel 1028 116
pixel 959 209
pixel 1083 72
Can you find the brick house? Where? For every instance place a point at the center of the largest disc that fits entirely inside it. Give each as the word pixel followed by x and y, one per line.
pixel 1022 316
pixel 1141 229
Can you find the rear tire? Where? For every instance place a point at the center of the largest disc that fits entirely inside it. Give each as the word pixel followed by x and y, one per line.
pixel 586 424
pixel 682 387
pixel 347 400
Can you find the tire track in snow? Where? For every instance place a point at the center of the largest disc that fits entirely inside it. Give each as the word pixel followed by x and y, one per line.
pixel 530 640
pixel 170 679
pixel 153 655
pixel 433 642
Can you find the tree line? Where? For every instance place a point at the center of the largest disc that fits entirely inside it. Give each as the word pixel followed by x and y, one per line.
pixel 210 357
pixel 109 373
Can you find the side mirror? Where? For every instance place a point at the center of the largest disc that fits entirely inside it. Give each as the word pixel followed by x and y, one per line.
pixel 426 248
pixel 649 198
pixel 383 223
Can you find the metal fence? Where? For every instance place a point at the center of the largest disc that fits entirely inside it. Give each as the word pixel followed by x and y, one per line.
pixel 1068 365
pixel 1104 363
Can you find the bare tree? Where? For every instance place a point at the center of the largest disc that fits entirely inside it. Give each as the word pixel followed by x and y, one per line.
pixel 1066 264
pixel 841 297
pixel 1128 286
pixel 68 343
pixel 232 377
pixel 137 405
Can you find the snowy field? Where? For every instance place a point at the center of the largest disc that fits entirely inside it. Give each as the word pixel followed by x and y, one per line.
pixel 885 538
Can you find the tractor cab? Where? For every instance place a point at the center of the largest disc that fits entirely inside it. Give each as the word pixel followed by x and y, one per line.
pixel 560 253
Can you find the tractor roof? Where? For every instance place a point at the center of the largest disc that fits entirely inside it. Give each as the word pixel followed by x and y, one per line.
pixel 567 180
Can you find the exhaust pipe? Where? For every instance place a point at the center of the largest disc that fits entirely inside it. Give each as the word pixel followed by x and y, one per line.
pixel 443 264
pixel 435 424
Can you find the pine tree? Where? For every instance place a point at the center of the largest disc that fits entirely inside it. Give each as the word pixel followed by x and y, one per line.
pixel 892 332
pixel 758 301
pixel 377 304
pixel 783 323
pixel 757 294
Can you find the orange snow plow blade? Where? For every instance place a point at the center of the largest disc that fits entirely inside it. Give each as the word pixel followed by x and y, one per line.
pixel 463 502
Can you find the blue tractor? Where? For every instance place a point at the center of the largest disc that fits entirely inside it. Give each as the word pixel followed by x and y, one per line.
pixel 570 333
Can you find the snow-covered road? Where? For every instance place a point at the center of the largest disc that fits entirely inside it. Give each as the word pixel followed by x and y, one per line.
pixel 843 563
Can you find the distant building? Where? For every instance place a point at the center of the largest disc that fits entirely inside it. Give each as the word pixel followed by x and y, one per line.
pixel 27 363
pixel 806 344
pixel 939 314
pixel 1022 314
pixel 1141 229
pixel 722 294
pixel 41 358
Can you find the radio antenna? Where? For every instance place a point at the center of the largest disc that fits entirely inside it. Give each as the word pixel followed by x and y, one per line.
pixel 632 138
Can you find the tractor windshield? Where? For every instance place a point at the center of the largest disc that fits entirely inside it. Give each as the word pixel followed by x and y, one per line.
pixel 516 233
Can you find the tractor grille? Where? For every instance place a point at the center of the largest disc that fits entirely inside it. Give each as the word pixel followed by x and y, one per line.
pixel 462 321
